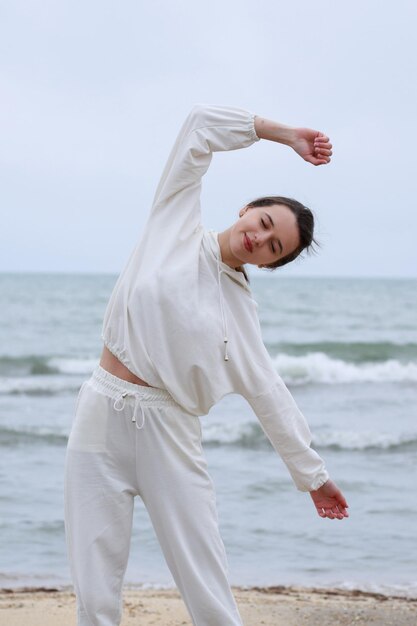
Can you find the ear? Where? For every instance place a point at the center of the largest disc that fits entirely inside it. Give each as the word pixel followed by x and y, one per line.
pixel 243 211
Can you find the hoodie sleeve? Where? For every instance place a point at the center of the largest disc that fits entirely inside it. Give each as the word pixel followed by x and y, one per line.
pixel 207 129
pixel 288 431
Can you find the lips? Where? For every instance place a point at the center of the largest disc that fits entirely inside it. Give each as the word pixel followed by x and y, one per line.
pixel 247 243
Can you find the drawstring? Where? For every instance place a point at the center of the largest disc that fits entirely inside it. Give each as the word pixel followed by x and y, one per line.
pixel 224 320
pixel 119 405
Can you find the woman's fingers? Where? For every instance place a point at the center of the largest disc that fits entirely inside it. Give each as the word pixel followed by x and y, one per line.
pixel 337 513
pixel 321 137
pixel 317 160
pixel 322 150
pixel 334 512
pixel 341 503
pixel 322 145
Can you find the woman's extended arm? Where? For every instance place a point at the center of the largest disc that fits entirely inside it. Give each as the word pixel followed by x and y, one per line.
pixel 312 145
pixel 288 432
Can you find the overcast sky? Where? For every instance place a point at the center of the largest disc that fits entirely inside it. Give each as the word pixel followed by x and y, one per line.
pixel 93 94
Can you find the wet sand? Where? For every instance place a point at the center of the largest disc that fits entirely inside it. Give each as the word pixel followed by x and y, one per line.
pixel 269 606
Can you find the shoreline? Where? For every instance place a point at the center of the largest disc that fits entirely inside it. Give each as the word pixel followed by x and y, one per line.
pixel 266 589
pixel 270 606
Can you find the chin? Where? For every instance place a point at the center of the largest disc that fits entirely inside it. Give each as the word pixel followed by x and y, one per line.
pixel 241 259
pixel 239 254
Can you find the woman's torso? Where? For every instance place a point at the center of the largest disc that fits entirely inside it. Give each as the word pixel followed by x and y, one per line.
pixel 112 365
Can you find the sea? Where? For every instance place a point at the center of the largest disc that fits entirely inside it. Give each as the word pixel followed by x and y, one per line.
pixel 347 350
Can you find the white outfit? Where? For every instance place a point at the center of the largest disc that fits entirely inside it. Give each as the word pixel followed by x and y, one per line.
pixel 186 323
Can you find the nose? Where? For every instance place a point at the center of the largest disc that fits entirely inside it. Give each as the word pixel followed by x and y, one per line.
pixel 261 238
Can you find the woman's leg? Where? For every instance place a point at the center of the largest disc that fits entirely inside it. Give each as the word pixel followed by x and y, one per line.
pixel 180 498
pixel 98 506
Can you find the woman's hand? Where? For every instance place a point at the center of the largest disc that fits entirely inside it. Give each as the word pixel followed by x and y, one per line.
pixel 312 146
pixel 329 501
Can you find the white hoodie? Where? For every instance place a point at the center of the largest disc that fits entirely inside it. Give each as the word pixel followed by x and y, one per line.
pixel 182 320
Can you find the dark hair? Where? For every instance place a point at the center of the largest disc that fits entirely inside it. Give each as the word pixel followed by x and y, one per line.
pixel 305 223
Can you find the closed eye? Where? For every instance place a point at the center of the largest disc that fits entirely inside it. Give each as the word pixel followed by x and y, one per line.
pixel 278 240
pixel 265 226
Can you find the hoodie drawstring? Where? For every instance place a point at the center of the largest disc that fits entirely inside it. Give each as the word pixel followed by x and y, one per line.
pixel 222 311
pixel 119 405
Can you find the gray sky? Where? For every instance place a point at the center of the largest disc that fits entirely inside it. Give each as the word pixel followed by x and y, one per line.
pixel 93 94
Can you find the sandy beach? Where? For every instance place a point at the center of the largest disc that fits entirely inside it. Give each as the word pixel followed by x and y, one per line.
pixel 270 606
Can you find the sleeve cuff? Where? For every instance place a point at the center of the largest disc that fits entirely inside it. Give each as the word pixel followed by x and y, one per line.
pixel 252 130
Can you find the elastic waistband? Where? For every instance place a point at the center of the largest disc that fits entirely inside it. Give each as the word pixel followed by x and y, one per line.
pixel 114 387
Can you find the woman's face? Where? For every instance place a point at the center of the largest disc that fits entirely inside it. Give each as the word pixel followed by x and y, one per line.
pixel 263 235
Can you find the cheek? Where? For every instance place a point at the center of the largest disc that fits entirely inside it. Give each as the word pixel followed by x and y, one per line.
pixel 235 238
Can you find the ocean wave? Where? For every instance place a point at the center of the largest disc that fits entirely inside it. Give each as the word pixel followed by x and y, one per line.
pixel 39 385
pixel 364 440
pixel 244 435
pixel 247 435
pixel 351 351
pixel 317 367
pixel 251 435
pixel 44 365
pixel 43 375
pixel 30 436
pixel 51 375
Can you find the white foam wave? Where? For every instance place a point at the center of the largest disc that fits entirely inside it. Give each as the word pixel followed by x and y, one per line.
pixel 317 367
pixel 37 385
pixel 71 372
pixel 406 590
pixel 250 434
pixel 229 432
pixel 362 440
pixel 73 366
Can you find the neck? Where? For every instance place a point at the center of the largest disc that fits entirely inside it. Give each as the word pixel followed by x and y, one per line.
pixel 225 252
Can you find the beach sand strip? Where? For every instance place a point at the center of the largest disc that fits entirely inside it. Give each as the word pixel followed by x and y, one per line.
pixel 269 606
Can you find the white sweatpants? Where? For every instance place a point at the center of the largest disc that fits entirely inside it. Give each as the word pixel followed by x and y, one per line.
pixel 110 460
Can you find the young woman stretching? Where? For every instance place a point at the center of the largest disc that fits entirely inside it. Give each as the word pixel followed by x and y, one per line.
pixel 180 332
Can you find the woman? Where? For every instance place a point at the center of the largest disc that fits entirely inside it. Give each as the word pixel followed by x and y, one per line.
pixel 180 332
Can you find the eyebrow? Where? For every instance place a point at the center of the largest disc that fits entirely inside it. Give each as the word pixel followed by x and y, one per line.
pixel 272 223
